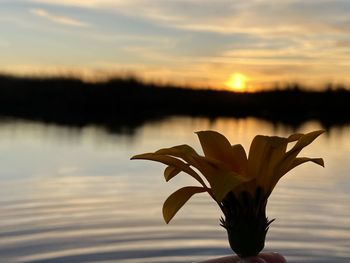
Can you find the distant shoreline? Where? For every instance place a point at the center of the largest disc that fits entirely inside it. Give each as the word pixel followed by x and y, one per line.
pixel 124 104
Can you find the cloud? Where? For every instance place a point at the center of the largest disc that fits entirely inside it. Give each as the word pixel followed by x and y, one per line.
pixel 268 39
pixel 270 17
pixel 58 18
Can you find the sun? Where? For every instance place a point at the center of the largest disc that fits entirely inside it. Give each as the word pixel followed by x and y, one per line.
pixel 237 82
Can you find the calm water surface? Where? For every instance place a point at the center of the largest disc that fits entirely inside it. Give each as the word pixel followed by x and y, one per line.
pixel 73 196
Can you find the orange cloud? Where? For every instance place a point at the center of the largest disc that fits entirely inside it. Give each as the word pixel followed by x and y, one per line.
pixel 58 18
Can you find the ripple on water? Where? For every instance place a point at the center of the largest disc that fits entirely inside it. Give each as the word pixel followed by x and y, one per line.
pixel 117 218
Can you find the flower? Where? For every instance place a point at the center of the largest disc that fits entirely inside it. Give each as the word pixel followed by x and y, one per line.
pixel 238 183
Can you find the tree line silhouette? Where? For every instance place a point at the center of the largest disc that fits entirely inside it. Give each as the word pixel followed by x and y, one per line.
pixel 122 104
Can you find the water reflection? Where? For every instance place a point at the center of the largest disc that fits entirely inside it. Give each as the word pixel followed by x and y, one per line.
pixel 72 195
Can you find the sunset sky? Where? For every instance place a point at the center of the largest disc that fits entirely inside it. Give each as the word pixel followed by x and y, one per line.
pixel 197 42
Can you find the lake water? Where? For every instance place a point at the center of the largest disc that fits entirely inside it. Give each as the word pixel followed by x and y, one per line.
pixel 73 195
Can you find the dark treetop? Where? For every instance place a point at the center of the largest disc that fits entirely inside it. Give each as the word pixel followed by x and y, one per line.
pixel 125 103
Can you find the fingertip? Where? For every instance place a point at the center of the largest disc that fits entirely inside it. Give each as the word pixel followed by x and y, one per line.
pixel 252 260
pixel 273 257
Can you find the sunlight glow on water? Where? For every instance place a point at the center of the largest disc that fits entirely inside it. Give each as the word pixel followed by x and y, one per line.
pixel 70 195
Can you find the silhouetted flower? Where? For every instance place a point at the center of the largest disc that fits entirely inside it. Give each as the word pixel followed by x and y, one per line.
pixel 239 184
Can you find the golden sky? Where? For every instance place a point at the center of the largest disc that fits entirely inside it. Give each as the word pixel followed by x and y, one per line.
pixel 196 42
